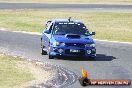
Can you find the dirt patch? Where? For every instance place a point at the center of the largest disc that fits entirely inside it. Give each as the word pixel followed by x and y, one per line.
pixel 40 74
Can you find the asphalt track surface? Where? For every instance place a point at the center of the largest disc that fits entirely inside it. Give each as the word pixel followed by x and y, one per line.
pixel 114 60
pixel 68 7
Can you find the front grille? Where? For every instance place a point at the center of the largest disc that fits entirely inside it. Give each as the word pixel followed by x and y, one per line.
pixel 75 44
pixel 82 52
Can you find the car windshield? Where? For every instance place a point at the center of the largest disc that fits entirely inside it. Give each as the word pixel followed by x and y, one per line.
pixel 62 29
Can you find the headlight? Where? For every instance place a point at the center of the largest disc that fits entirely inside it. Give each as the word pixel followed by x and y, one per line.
pixel 58 44
pixel 90 45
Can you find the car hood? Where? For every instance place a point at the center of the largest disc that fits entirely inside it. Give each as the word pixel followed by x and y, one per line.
pixel 66 39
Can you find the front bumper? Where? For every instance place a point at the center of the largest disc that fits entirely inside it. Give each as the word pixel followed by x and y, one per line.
pixel 65 51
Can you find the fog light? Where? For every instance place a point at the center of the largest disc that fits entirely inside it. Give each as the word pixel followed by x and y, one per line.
pixel 88 51
pixel 60 50
pixel 93 50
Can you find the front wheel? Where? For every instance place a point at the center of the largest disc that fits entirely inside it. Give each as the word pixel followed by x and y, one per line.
pixel 43 52
pixel 51 57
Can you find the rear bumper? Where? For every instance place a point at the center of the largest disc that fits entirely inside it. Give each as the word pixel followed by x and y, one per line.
pixel 84 52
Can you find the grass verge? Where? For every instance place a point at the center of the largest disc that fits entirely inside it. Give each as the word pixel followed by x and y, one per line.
pixel 18 73
pixel 74 1
pixel 107 25
pixel 10 76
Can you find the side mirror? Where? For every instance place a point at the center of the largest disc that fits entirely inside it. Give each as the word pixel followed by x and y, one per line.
pixel 47 31
pixel 47 23
pixel 92 33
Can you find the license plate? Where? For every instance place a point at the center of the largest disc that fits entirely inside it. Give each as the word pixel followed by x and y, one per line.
pixel 74 51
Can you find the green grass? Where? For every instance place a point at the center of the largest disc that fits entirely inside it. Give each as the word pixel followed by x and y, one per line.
pixel 10 76
pixel 74 1
pixel 107 25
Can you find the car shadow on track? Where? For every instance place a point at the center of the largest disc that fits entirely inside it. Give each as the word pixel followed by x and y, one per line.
pixel 100 57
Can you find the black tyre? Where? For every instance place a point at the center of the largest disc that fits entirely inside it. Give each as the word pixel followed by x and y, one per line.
pixel 43 52
pixel 51 57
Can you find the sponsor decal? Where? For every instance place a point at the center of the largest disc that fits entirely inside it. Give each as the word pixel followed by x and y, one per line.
pixel 85 81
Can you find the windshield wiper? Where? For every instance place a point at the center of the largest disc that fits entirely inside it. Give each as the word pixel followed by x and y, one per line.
pixel 59 34
pixel 62 34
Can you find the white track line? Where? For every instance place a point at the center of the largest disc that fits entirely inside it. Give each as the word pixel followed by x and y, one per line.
pixel 32 33
pixel 37 33
pixel 112 41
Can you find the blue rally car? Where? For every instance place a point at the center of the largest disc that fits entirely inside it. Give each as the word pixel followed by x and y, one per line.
pixel 67 38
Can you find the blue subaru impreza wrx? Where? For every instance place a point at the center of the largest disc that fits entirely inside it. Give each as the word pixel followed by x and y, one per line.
pixel 67 38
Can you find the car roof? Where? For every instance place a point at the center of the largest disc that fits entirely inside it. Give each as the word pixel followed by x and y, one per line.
pixel 65 21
